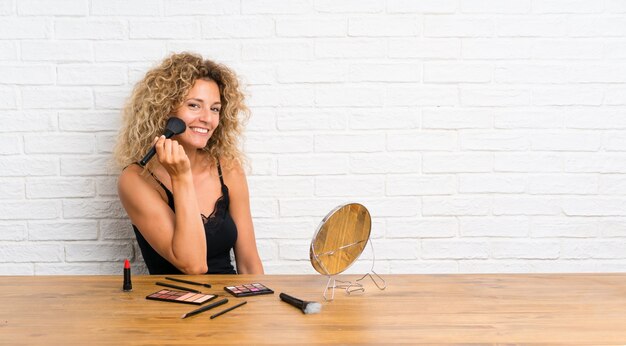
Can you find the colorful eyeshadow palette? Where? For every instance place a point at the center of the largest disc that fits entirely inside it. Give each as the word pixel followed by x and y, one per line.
pixel 181 297
pixel 248 290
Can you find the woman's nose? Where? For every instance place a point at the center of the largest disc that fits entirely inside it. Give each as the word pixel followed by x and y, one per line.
pixel 206 115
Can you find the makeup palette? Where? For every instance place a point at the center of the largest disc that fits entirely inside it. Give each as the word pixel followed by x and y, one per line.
pixel 181 297
pixel 248 290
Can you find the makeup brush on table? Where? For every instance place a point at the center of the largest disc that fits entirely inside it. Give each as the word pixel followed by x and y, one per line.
pixel 306 307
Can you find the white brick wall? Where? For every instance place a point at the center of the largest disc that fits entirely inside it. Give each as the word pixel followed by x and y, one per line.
pixel 484 136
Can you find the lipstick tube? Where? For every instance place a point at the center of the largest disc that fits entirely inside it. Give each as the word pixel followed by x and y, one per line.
pixel 128 285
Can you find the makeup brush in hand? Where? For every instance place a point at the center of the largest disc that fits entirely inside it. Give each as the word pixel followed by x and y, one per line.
pixel 306 307
pixel 174 126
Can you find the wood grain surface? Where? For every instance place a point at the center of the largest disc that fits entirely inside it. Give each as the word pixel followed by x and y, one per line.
pixel 516 309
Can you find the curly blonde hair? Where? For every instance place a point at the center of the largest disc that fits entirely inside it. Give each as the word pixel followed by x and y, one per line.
pixel 163 90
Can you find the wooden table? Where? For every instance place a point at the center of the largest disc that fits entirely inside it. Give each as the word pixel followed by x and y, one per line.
pixel 549 309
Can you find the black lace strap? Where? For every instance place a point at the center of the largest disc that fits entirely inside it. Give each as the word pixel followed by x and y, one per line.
pixel 219 171
pixel 167 191
pixel 158 181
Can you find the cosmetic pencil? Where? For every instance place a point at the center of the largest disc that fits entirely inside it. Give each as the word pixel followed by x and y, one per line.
pixel 178 287
pixel 205 308
pixel 227 310
pixel 188 282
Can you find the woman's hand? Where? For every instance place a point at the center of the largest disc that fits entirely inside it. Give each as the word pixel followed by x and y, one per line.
pixel 172 156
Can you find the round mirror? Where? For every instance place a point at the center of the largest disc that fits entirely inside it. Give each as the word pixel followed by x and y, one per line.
pixel 340 238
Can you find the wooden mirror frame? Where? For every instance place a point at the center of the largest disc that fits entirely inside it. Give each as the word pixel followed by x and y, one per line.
pixel 340 238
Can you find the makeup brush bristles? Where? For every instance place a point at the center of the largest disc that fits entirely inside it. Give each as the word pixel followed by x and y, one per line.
pixel 312 307
pixel 306 307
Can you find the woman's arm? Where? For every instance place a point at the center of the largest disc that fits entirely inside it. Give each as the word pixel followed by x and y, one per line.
pixel 246 253
pixel 178 237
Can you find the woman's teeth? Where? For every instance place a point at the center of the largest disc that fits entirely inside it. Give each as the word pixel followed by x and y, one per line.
pixel 199 130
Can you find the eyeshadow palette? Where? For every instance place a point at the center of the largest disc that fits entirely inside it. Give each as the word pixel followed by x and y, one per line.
pixel 181 297
pixel 248 290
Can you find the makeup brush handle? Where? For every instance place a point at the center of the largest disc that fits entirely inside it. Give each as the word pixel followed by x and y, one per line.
pixel 291 300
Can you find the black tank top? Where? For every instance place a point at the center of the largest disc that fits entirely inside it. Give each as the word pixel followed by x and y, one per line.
pixel 220 231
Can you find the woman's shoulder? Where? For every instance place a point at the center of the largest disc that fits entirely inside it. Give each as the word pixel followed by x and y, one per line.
pixel 130 176
pixel 232 168
pixel 233 173
pixel 131 170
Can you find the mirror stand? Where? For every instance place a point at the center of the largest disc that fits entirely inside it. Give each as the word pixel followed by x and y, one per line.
pixel 383 283
pixel 353 287
pixel 348 286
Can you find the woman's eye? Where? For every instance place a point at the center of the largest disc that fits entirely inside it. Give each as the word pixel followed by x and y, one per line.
pixel 214 109
pixel 194 105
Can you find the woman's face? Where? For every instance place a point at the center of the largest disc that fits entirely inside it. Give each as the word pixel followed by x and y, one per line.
pixel 200 111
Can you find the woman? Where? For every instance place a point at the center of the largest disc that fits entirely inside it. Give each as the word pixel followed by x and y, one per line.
pixel 190 205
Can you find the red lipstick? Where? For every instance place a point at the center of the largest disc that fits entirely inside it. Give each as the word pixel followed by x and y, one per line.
pixel 127 286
